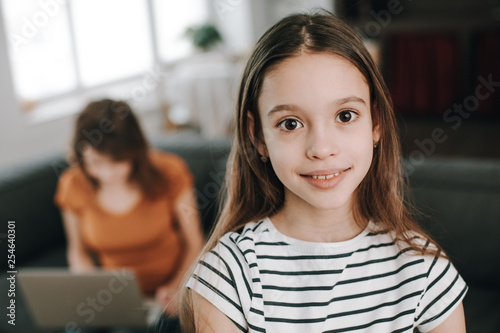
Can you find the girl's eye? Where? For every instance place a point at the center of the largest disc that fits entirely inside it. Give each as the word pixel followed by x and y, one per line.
pixel 346 116
pixel 290 124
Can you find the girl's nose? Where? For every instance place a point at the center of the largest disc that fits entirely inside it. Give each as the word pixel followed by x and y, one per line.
pixel 322 144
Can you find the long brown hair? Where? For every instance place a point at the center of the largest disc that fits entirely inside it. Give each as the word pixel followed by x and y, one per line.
pixel 111 128
pixel 253 190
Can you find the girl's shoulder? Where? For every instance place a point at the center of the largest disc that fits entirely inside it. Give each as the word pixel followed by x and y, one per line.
pixel 238 248
pixel 412 249
pixel 250 234
pixel 408 238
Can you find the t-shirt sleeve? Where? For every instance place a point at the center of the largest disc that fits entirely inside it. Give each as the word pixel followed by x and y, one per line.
pixel 444 291
pixel 178 175
pixel 222 279
pixel 68 192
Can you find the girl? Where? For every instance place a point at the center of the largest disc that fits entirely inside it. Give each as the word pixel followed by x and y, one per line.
pixel 132 207
pixel 314 235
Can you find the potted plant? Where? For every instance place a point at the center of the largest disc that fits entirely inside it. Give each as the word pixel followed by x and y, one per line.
pixel 204 37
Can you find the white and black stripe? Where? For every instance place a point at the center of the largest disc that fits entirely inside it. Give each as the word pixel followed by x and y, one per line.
pixel 267 282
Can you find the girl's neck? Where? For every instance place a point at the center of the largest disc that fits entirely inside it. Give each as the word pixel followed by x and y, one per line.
pixel 314 225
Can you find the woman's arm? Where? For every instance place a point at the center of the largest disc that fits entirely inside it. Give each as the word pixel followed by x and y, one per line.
pixel 455 323
pixel 78 257
pixel 187 214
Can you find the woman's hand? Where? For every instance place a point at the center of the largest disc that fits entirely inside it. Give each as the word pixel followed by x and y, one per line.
pixel 80 262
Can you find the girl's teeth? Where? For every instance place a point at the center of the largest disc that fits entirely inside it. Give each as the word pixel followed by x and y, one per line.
pixel 327 176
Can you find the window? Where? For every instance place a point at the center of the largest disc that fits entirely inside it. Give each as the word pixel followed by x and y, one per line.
pixel 63 47
pixel 112 39
pixel 172 20
pixel 39 48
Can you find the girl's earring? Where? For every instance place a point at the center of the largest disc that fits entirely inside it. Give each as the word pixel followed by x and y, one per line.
pixel 375 144
pixel 263 159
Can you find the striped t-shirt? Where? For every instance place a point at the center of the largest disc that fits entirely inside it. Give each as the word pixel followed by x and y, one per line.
pixel 265 281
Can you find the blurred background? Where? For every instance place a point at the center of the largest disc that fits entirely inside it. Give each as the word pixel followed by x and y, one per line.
pixel 178 63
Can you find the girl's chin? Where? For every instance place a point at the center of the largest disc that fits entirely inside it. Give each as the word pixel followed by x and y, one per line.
pixel 315 201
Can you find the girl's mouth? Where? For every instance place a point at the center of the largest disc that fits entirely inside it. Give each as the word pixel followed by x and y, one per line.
pixel 326 176
pixel 326 180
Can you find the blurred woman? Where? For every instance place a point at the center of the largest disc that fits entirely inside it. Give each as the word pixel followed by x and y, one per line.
pixel 128 205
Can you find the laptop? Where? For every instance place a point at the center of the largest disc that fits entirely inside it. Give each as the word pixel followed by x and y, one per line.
pixel 59 298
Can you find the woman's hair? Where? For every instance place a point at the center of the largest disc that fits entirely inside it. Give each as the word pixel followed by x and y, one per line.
pixel 253 191
pixel 111 128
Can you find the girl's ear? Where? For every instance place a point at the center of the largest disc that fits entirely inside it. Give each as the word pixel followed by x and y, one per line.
pixel 376 132
pixel 261 147
pixel 375 123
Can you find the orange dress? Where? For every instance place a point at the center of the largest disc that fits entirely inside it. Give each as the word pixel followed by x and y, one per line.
pixel 144 238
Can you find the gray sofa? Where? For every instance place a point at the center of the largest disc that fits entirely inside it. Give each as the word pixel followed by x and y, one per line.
pixel 461 200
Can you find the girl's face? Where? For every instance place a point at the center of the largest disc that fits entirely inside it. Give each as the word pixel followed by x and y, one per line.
pixel 318 132
pixel 104 168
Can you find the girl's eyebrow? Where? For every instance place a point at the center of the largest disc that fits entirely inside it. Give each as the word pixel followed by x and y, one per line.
pixel 282 107
pixel 292 107
pixel 351 99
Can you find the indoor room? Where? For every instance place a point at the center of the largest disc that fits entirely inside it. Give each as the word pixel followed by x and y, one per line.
pixel 108 108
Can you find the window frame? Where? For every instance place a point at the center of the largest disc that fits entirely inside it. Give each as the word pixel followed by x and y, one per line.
pixel 31 107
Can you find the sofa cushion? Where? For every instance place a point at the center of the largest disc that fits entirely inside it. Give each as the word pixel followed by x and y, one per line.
pixel 26 197
pixel 461 199
pixel 207 161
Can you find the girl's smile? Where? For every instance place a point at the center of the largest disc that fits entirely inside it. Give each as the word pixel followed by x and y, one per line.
pixel 325 179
